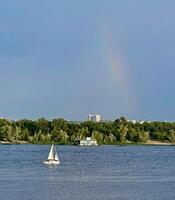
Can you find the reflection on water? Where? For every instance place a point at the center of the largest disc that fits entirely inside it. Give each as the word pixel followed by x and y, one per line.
pixel 104 172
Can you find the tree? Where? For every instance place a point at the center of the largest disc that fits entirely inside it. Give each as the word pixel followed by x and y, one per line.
pixel 16 133
pixel 97 136
pixel 6 132
pixel 54 134
pixel 27 124
pixel 143 136
pixel 25 134
pixel 172 136
pixel 60 124
pixel 109 138
pixel 80 134
pixel 122 133
pixel 43 125
pixel 62 136
pixel 133 134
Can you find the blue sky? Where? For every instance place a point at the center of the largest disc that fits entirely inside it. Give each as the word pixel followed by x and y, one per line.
pixel 64 58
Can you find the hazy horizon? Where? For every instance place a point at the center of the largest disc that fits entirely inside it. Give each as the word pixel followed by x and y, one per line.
pixel 73 58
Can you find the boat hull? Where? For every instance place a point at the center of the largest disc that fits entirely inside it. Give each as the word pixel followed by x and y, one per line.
pixel 51 162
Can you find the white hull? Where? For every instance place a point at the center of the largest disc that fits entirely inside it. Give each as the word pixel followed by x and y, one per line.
pixel 51 162
pixel 88 144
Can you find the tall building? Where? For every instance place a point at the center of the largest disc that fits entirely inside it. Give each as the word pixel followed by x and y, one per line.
pixel 94 118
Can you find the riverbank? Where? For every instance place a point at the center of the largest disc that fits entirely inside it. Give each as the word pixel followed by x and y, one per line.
pixel 13 142
pixel 159 143
pixel 150 142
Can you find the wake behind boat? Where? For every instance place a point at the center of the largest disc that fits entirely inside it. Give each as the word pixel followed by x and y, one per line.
pixel 53 157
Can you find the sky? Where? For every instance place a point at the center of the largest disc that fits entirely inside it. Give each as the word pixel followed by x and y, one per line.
pixel 64 58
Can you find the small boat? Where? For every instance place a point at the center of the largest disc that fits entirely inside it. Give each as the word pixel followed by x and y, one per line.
pixel 87 142
pixel 53 157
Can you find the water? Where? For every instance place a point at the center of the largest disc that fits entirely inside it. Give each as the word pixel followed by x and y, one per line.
pixel 96 173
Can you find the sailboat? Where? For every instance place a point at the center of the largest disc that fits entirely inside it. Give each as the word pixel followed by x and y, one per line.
pixel 53 157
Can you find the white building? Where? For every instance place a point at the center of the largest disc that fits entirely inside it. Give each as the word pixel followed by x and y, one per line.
pixel 132 121
pixel 94 118
pixel 135 121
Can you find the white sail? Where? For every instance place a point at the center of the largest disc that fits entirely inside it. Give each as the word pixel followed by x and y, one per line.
pixel 55 153
pixel 53 157
pixel 51 153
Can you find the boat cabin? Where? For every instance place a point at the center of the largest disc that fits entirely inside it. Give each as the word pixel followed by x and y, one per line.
pixel 87 142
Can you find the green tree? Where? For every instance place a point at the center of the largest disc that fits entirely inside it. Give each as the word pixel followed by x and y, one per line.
pixel 172 136
pixel 6 132
pixel 54 134
pixel 62 136
pixel 109 138
pixel 97 136
pixel 133 134
pixel 43 125
pixel 25 134
pixel 60 124
pixel 122 132
pixel 27 124
pixel 143 136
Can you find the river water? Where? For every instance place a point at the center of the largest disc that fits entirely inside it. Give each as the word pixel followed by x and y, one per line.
pixel 96 173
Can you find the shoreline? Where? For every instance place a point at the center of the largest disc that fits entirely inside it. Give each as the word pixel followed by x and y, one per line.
pixel 148 143
pixel 14 142
pixel 159 143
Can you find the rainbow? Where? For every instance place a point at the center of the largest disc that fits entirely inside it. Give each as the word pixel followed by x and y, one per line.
pixel 120 74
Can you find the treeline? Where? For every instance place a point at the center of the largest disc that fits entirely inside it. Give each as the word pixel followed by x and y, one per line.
pixel 64 132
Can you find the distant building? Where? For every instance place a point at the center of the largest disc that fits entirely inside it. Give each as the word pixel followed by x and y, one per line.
pixel 132 121
pixel 87 142
pixel 94 118
pixel 141 122
pixel 135 121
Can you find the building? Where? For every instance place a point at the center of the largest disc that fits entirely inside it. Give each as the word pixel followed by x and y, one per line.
pixel 132 121
pixel 87 142
pixel 135 121
pixel 94 118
